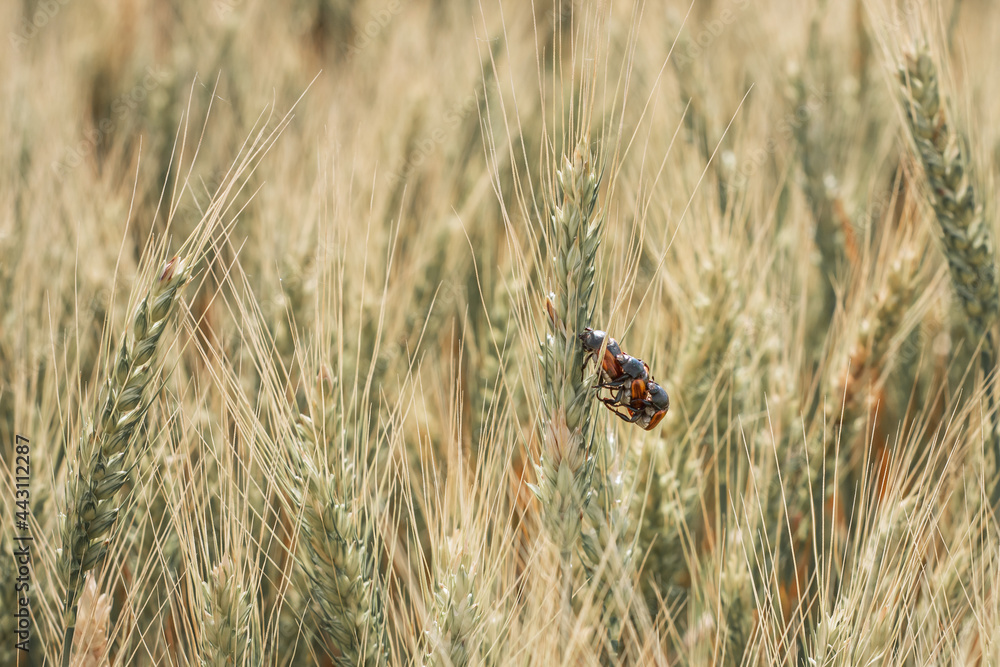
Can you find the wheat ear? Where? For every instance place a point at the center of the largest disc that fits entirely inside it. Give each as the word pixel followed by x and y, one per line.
pixel 91 647
pixel 820 188
pixel 868 360
pixel 968 245
pixel 452 639
pixel 566 466
pixel 101 480
pixel 227 635
pixel 340 570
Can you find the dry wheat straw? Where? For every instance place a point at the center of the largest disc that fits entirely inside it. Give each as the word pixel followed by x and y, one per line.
pixel 674 503
pixel 862 626
pixel 228 637
pixel 106 451
pixel 968 244
pixel 340 569
pixel 838 457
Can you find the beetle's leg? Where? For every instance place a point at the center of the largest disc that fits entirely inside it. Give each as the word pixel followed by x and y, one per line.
pixel 630 419
pixel 615 397
pixel 615 390
pixel 616 382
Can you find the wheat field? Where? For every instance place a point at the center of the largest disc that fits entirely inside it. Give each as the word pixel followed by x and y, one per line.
pixel 295 354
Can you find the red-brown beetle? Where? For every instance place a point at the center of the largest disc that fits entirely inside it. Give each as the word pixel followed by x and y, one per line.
pixel 645 412
pixel 633 395
pixel 631 383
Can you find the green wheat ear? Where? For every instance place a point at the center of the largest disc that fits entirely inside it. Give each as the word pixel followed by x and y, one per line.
pixel 965 234
pixel 101 480
pixel 341 572
pixel 228 637
pixel 565 468
pixel 968 245
pixel 453 639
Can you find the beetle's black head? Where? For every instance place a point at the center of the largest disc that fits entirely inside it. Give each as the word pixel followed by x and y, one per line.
pixel 658 396
pixel 591 339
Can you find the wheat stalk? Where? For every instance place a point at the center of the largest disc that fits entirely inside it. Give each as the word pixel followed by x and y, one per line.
pixel 103 468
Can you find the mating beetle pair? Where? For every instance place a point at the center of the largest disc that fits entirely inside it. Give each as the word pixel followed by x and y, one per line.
pixel 627 381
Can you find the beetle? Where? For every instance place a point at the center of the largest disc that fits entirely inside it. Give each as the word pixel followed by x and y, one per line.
pixel 633 395
pixel 633 378
pixel 592 341
pixel 656 406
pixel 645 412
